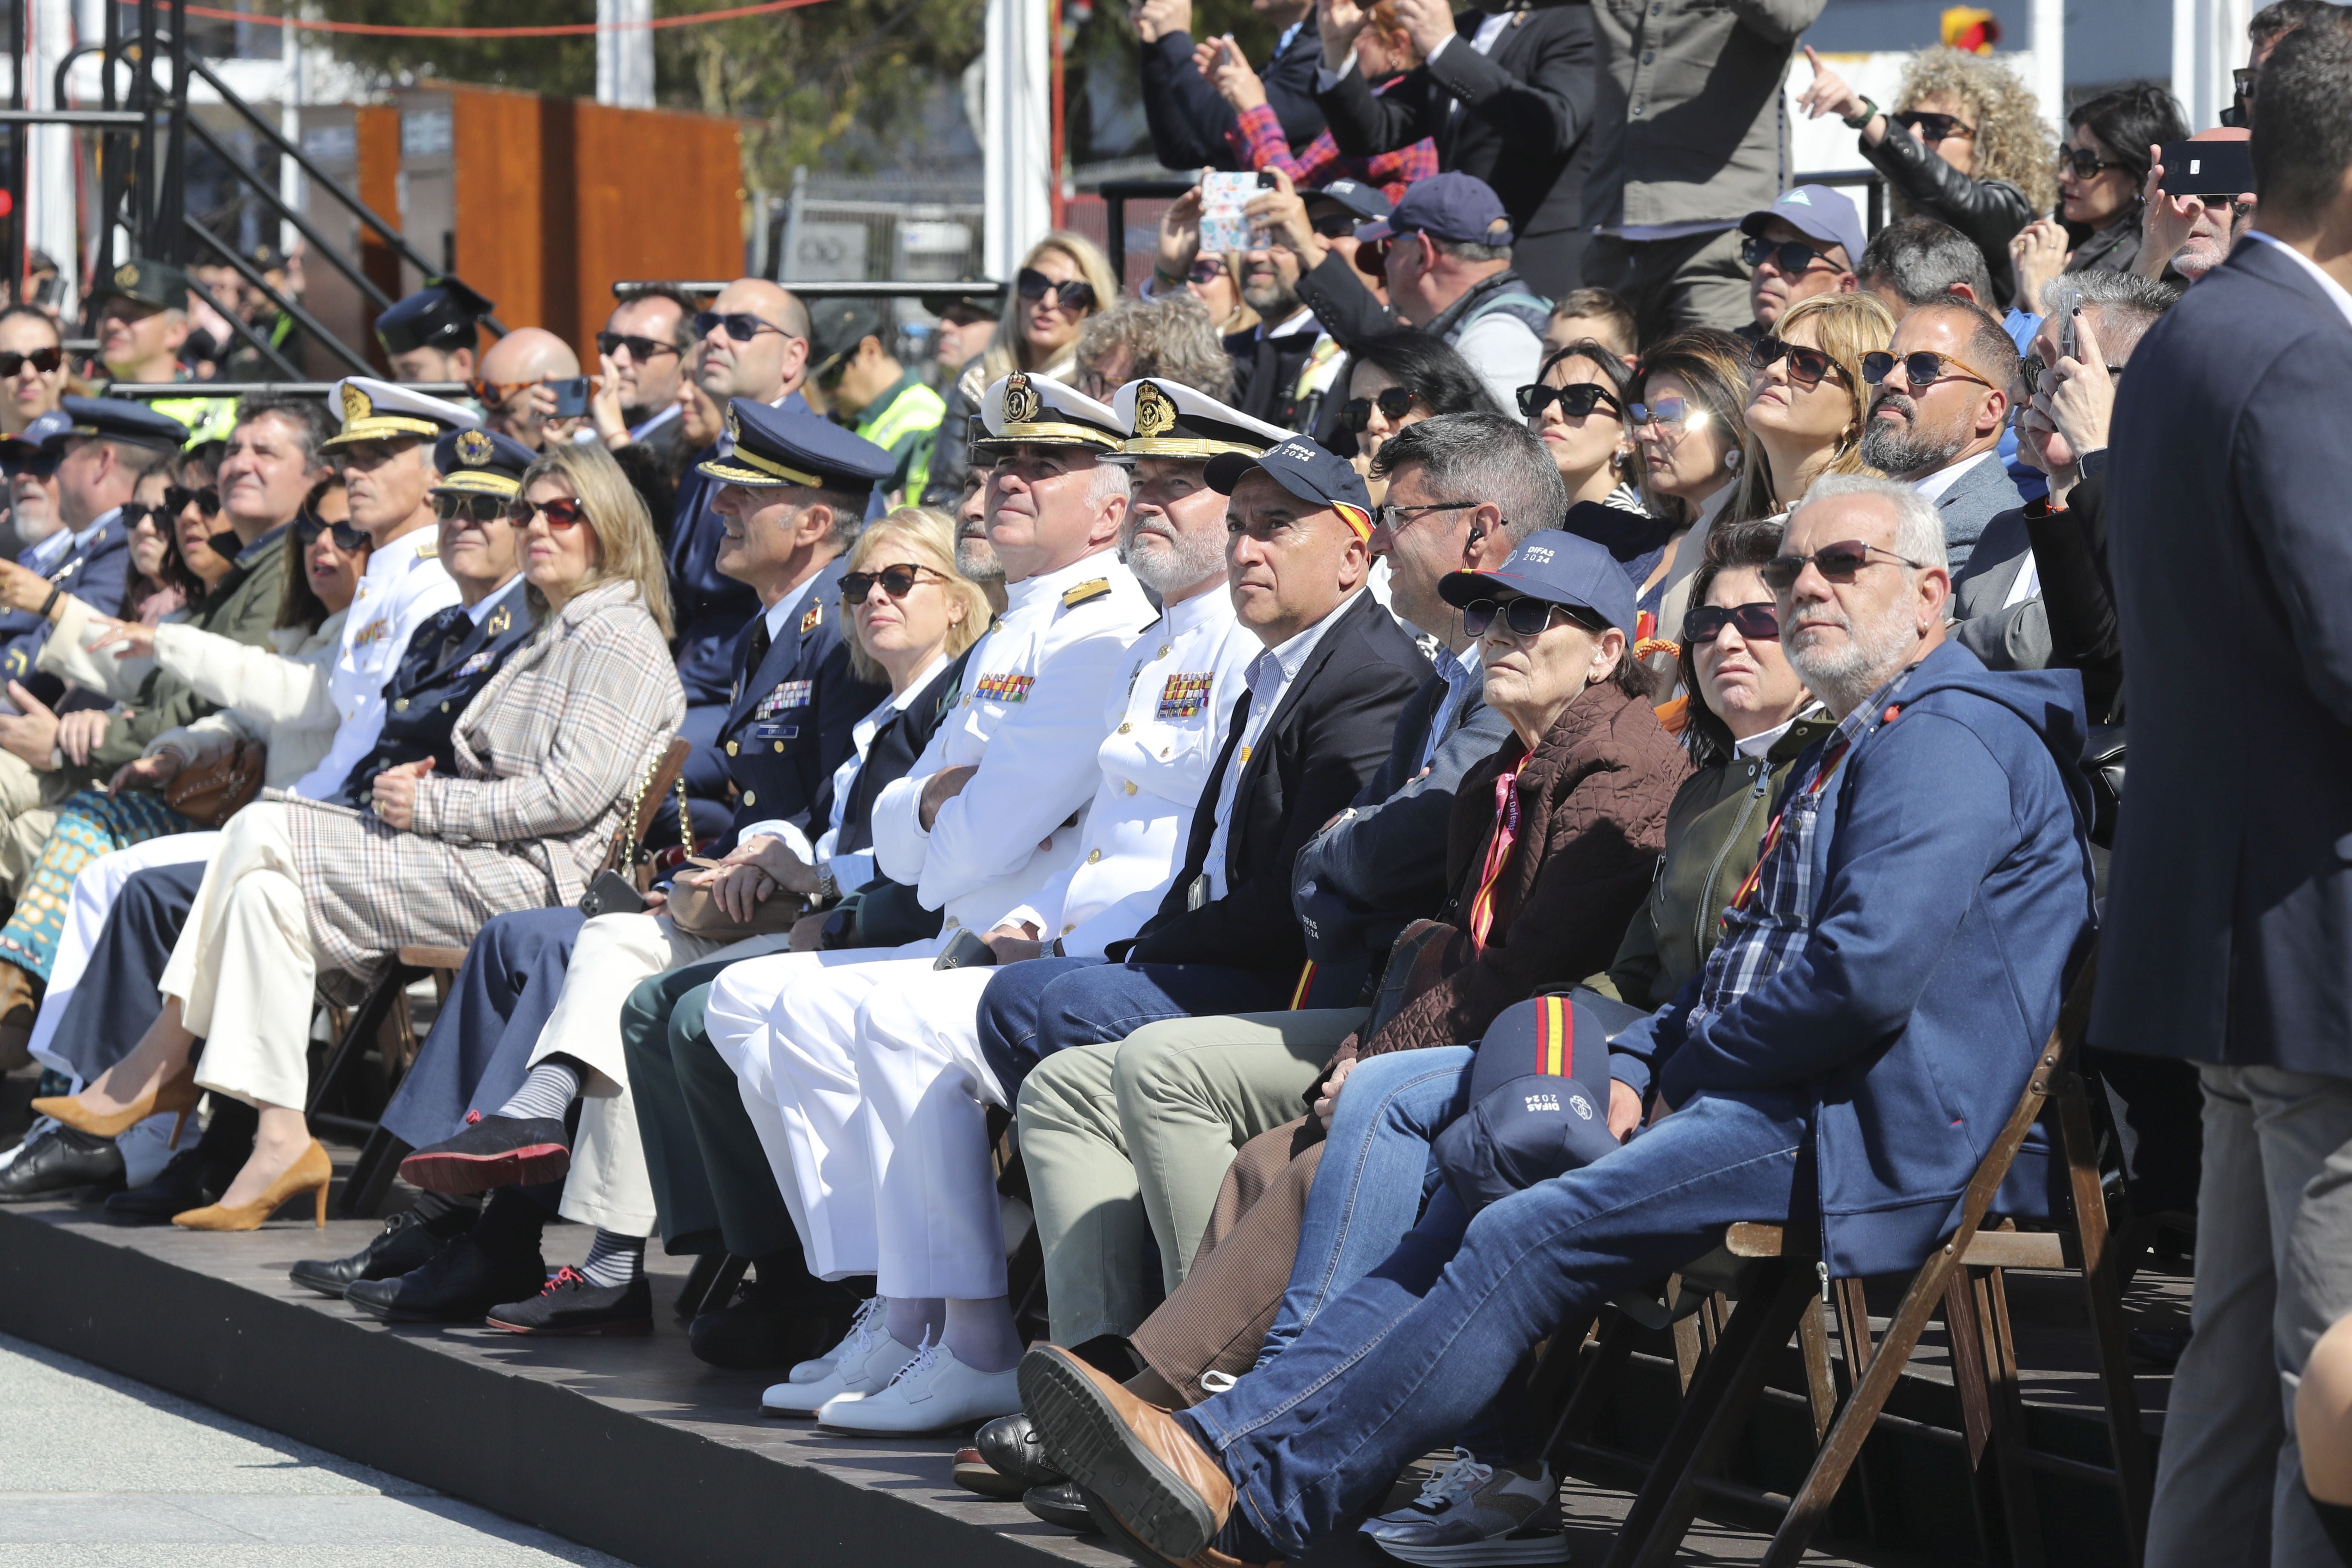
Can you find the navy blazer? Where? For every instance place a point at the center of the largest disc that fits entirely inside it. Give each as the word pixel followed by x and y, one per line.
pixel 2230 897
pixel 708 607
pixel 1333 729
pixel 788 722
pixel 450 657
pixel 1188 121
pixel 97 571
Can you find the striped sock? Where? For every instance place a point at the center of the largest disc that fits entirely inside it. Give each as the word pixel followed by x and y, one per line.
pixel 548 1092
pixel 614 1259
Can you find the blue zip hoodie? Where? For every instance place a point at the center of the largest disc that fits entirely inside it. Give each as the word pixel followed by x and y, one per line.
pixel 1952 902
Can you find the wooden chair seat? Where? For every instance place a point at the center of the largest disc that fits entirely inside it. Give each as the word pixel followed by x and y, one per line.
pixel 434 957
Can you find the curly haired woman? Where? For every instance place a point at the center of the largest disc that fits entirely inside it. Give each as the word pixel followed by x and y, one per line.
pixel 1988 172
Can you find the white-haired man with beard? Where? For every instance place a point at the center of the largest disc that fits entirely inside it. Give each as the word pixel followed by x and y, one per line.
pixel 1936 420
pixel 919 1048
pixel 1885 982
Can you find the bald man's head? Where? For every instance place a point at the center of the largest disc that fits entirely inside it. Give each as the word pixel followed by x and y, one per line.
pixel 757 348
pixel 530 353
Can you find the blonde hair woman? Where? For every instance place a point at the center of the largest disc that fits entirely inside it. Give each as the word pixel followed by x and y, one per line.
pixel 1807 401
pixel 1965 144
pixel 550 755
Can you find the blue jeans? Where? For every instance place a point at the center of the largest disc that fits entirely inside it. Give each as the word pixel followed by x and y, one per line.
pixel 1415 1352
pixel 1375 1172
pixel 1033 1009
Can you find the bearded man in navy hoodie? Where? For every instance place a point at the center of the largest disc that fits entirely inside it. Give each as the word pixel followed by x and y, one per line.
pixel 1885 982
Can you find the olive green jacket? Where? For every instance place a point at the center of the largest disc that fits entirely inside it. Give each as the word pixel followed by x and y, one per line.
pixel 1715 831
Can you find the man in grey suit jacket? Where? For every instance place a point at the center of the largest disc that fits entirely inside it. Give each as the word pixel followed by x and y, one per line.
pixel 1997 597
pixel 1938 430
pixel 2230 892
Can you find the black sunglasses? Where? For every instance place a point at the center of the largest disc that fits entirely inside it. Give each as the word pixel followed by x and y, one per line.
pixel 43 360
pixel 137 513
pixel 207 499
pixel 347 538
pixel 1575 402
pixel 1790 256
pixel 1837 561
pixel 640 349
pixel 2085 163
pixel 897 581
pixel 742 325
pixel 1075 295
pixel 458 507
pixel 1934 128
pixel 1756 623
pixel 1356 414
pixel 1525 618
pixel 1806 367
pixel 1334 225
pixel 1921 367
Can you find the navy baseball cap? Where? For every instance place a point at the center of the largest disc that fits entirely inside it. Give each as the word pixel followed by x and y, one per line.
pixel 1453 206
pixel 36 446
pixel 1367 201
pixel 1308 471
pixel 1558 568
pixel 763 447
pixel 1538 1097
pixel 1817 212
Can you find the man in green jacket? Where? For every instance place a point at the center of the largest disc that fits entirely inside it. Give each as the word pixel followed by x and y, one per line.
pixel 865 386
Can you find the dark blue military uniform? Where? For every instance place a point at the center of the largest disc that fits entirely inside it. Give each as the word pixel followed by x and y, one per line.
pixel 450 660
pixel 708 607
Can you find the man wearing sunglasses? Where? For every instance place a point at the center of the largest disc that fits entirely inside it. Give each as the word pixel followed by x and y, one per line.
pixel 1934 843
pixel 1805 243
pixel 643 355
pixel 865 387
pixel 517 401
pixel 1446 254
pixel 1940 405
pixel 31 465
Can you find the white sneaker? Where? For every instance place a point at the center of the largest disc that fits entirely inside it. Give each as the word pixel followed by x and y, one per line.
pixel 866 1365
pixel 1471 1515
pixel 932 1393
pixel 810 1370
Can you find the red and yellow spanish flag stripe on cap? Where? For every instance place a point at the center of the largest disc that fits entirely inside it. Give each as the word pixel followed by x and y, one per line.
pixel 1356 517
pixel 1555 1037
pixel 1306 982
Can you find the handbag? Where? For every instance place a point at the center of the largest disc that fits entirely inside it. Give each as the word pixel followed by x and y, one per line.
pixel 211 794
pixel 695 909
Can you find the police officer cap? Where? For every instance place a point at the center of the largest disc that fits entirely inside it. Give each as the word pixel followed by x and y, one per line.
pixel 120 419
pixel 1308 471
pixel 763 447
pixel 480 463
pixel 376 410
pixel 1026 410
pixel 1538 1098
pixel 1169 420
pixel 1557 567
pixel 149 283
pixel 441 315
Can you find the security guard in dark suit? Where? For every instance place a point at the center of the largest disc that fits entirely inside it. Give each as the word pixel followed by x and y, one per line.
pixel 453 654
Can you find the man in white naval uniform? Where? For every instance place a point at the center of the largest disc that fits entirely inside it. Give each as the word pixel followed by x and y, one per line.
pixel 988 818
pixel 936 1235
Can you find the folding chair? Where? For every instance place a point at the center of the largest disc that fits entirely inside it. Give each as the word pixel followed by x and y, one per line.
pixel 380 1152
pixel 1782 1288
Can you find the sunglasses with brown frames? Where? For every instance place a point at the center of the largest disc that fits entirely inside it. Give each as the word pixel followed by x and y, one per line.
pixel 1921 367
pixel 1838 563
pixel 898 582
pixel 1806 367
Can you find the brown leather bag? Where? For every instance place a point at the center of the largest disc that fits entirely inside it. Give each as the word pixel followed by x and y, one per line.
pixel 695 910
pixel 211 794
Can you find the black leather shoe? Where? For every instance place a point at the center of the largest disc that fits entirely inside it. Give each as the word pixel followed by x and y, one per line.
pixel 57 1162
pixel 569 1304
pixel 763 1327
pixel 1010 1444
pixel 1063 1504
pixel 456 1285
pixel 404 1243
pixel 492 1152
pixel 191 1180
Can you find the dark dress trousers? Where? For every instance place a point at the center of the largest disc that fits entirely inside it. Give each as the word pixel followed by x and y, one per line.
pixel 2231 889
pixel 1516 117
pixel 1188 121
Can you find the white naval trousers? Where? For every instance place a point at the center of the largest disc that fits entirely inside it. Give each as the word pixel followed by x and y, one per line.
pixel 245 967
pixel 608 1186
pixel 96 887
pixel 787 1026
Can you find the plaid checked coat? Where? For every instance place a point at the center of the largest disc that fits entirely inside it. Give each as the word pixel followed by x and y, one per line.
pixel 549 754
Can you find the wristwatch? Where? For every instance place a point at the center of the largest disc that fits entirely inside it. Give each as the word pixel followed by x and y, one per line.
pixel 2091 464
pixel 827 889
pixel 1855 122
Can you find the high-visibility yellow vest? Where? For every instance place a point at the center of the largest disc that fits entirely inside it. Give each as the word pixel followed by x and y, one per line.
pixel 915 413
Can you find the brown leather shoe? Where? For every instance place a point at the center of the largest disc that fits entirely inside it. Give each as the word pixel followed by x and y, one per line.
pixel 1143 1468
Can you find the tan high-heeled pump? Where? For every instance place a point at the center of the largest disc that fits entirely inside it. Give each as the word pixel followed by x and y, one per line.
pixel 311 1172
pixel 176 1093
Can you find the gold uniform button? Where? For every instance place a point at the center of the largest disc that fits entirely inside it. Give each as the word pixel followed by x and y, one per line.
pixel 953 922
pixel 1163 649
pixel 730 748
pixel 445 708
pixel 401 706
pixel 1130 786
pixel 750 798
pixel 1123 729
pixel 780 745
pixel 1093 856
pixel 1069 927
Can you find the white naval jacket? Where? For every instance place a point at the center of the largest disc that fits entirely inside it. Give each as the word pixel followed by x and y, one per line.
pixel 405 586
pixel 1164 730
pixel 1030 710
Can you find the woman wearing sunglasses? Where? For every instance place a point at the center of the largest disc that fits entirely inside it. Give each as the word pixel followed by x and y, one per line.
pixel 1963 145
pixel 2110 147
pixel 1398 379
pixel 1577 409
pixel 32 367
pixel 1690 425
pixel 1808 402
pixel 161 583
pixel 1750 719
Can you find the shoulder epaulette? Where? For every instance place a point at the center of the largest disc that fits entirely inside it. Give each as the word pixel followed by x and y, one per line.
pixel 1086 592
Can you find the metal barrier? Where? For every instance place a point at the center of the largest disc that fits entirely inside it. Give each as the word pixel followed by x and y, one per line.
pixel 153 389
pixel 887 288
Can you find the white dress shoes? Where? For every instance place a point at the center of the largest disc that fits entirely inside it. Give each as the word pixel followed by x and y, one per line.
pixel 932 1393
pixel 810 1370
pixel 866 1363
